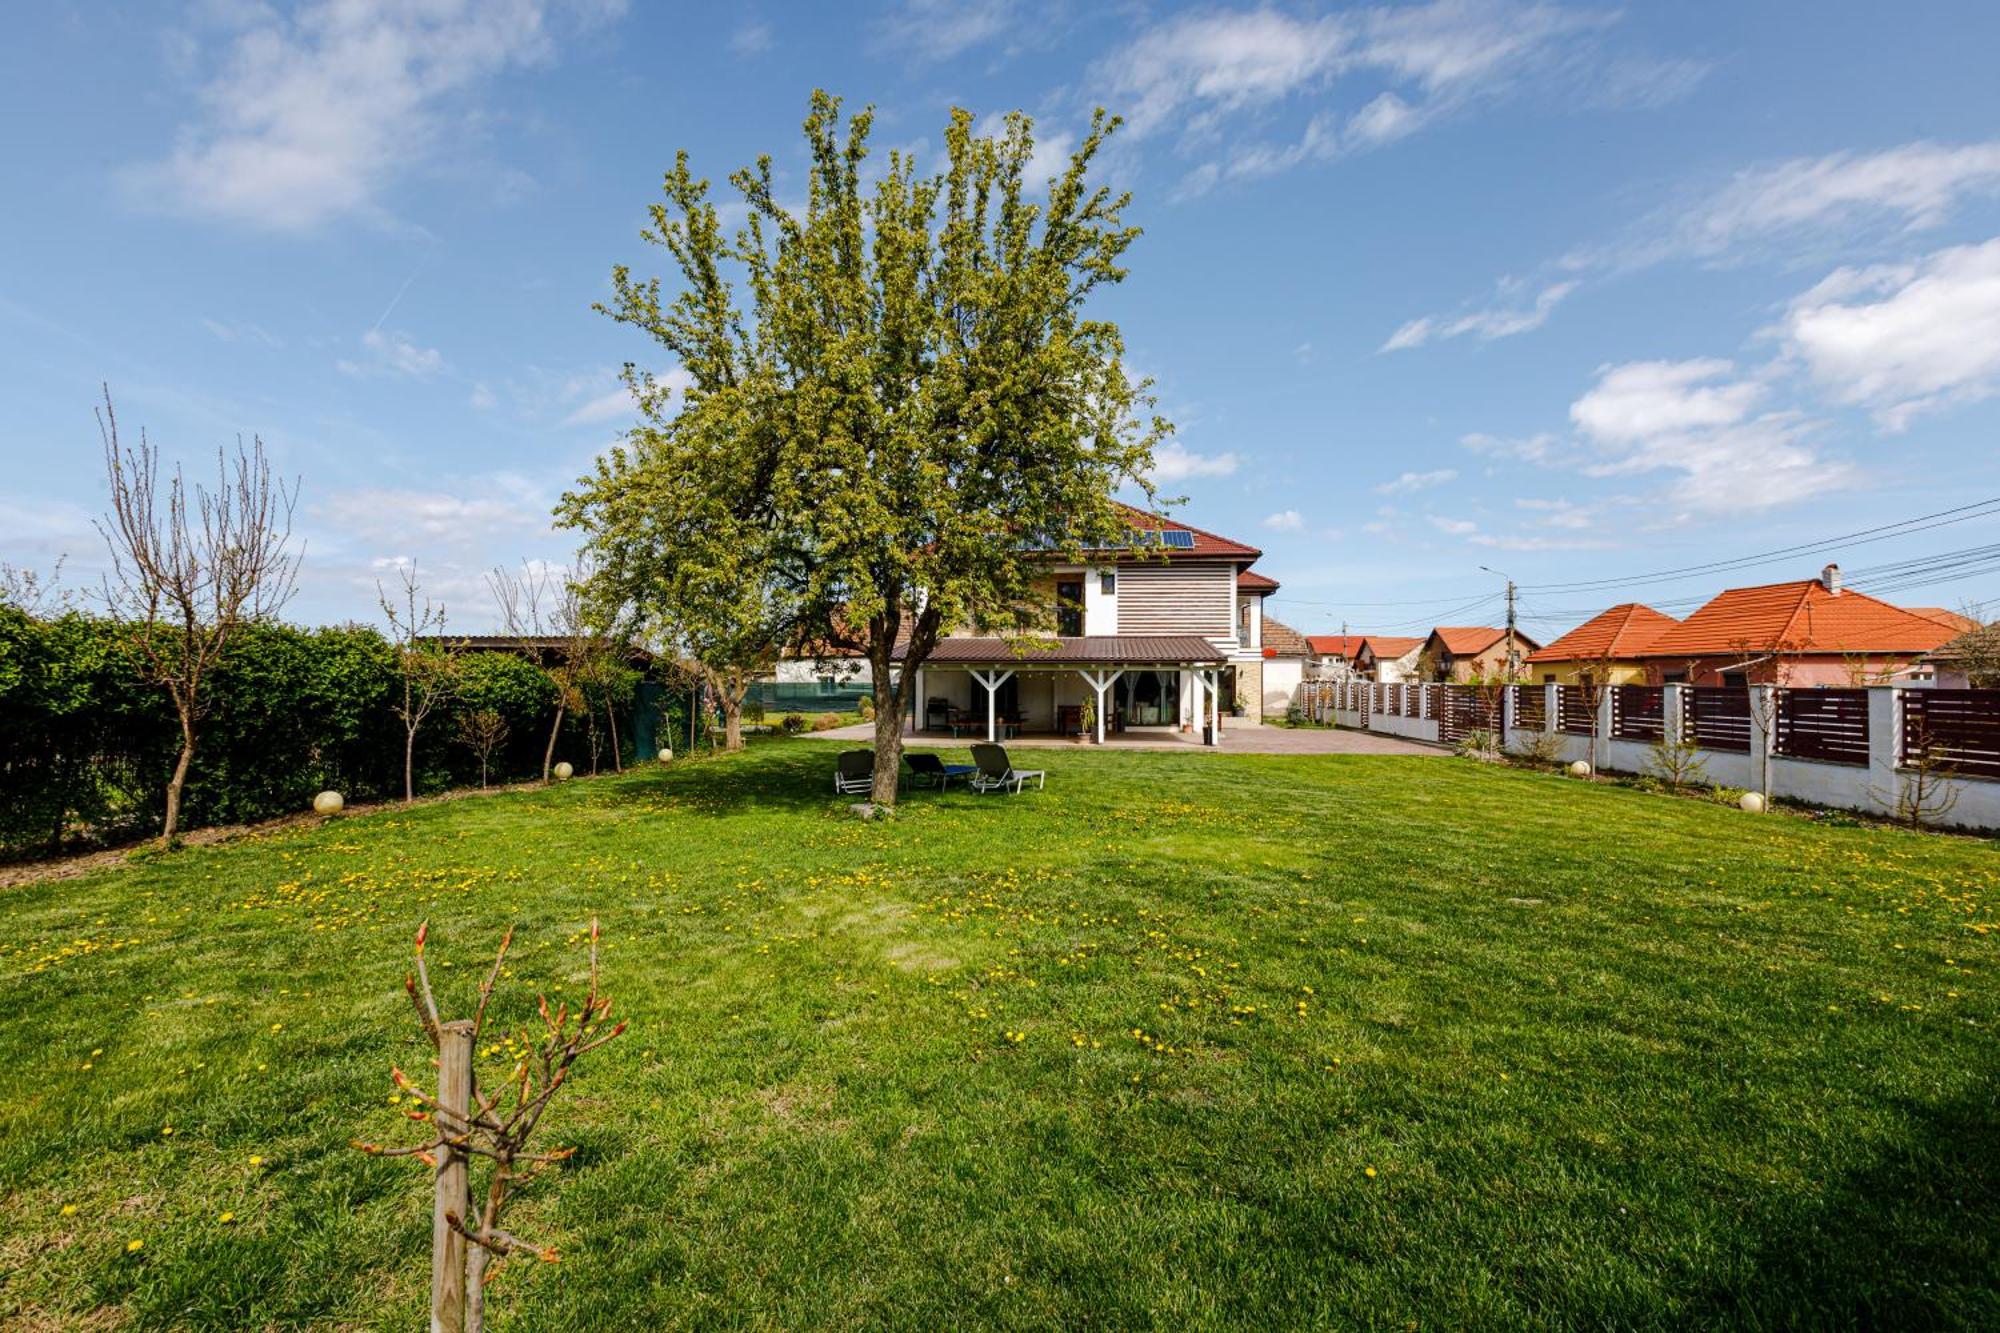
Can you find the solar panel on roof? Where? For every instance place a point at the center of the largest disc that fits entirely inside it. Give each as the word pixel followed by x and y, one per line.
pixel 1175 537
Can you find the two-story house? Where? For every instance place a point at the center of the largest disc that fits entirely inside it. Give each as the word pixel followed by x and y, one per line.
pixel 1166 634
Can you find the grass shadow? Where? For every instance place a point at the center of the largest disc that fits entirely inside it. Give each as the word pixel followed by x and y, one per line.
pixel 1910 1240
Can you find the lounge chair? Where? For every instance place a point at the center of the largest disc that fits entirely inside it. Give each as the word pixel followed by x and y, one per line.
pixel 997 772
pixel 854 772
pixel 932 771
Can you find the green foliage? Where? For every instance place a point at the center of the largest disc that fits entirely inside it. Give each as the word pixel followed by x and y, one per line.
pixel 899 407
pixel 793 723
pixel 88 742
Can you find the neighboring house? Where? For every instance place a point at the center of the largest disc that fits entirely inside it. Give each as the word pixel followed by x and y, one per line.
pixel 1332 655
pixel 1606 647
pixel 1473 652
pixel 1286 654
pixel 1387 658
pixel 1159 634
pixel 1973 653
pixel 1803 633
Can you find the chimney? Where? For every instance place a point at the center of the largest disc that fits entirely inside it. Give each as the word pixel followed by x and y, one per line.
pixel 1829 578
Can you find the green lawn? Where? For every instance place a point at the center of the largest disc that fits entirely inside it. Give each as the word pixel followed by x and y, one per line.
pixel 1185 1040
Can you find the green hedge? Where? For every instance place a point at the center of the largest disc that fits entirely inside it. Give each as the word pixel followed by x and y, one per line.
pixel 86 744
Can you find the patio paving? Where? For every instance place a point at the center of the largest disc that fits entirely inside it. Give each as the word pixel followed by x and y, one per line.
pixel 1241 738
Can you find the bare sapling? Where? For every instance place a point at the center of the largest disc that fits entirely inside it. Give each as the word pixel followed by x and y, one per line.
pixel 189 568
pixel 468 1124
pixel 427 672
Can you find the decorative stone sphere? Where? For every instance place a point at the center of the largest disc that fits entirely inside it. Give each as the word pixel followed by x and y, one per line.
pixel 1752 802
pixel 666 754
pixel 1581 768
pixel 328 803
pixel 564 771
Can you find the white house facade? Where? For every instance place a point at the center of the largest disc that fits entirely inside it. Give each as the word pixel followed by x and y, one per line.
pixel 1168 635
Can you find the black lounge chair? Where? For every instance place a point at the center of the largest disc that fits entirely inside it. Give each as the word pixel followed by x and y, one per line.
pixel 854 772
pixel 932 771
pixel 997 771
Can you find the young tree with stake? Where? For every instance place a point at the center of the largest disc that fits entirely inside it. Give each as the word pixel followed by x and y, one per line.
pixel 427 674
pixel 190 567
pixel 898 409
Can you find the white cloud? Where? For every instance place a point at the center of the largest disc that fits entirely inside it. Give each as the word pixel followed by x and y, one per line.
pixel 1646 400
pixel 752 39
pixel 242 331
pixel 1497 322
pixel 612 406
pixel 1417 481
pixel 1908 338
pixel 1287 520
pixel 1197 73
pixel 1172 463
pixel 1540 448
pixel 1694 418
pixel 309 116
pixel 393 517
pixel 1916 185
pixel 940 29
pixel 1454 527
pixel 482 398
pixel 394 353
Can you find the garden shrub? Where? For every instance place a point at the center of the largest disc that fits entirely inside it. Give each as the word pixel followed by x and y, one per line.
pixel 793 723
pixel 828 721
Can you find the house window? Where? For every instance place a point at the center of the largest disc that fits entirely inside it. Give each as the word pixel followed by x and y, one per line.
pixel 1243 624
pixel 1069 609
pixel 1734 679
pixel 1107 583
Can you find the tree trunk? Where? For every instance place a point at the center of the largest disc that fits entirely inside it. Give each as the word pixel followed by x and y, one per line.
pixel 549 753
pixel 732 720
pixel 888 730
pixel 611 718
pixel 176 783
pixel 409 764
pixel 482 772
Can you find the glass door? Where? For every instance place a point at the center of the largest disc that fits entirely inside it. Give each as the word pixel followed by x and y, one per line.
pixel 1151 698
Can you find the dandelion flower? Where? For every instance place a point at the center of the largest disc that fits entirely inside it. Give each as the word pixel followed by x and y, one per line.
pixel 1369 1172
pixel 69 1210
pixel 255 1160
pixel 226 1218
pixel 134 1246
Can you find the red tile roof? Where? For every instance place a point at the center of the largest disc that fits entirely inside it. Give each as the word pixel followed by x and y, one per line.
pixel 1335 645
pixel 1801 617
pixel 1471 640
pixel 1388 646
pixel 1281 640
pixel 1251 581
pixel 1207 546
pixel 1623 631
pixel 1962 623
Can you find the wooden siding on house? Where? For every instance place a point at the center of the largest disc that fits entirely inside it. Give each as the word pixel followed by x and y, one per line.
pixel 1180 598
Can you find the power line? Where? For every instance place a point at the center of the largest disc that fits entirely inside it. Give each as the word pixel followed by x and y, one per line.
pixel 1922 523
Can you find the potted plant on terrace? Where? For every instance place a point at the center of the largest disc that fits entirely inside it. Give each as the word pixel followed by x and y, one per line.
pixel 1086 721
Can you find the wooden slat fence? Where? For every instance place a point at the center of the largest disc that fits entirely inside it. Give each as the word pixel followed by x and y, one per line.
pixel 1531 707
pixel 1960 728
pixel 1574 714
pixel 1828 725
pixel 1717 717
pixel 1638 712
pixel 1466 709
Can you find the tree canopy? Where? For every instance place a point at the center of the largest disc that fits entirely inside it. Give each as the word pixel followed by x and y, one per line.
pixel 897 407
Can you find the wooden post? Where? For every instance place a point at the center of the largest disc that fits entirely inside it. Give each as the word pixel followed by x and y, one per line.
pixel 454 1091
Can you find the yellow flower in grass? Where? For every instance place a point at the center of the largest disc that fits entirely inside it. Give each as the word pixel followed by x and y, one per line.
pixel 1369 1172
pixel 69 1210
pixel 134 1246
pixel 226 1218
pixel 255 1160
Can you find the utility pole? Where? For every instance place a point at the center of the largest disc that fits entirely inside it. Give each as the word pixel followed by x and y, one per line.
pixel 1513 642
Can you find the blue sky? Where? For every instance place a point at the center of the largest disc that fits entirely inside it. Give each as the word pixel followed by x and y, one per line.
pixel 1567 290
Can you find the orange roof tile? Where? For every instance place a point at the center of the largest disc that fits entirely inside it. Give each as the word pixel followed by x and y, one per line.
pixel 1623 631
pixel 1390 646
pixel 1470 640
pixel 1800 617
pixel 1251 581
pixel 1962 623
pixel 1335 645
pixel 1281 640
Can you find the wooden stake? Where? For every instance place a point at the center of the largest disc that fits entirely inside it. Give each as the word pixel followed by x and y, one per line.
pixel 454 1097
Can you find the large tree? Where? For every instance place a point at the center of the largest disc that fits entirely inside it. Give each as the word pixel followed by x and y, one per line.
pixel 902 415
